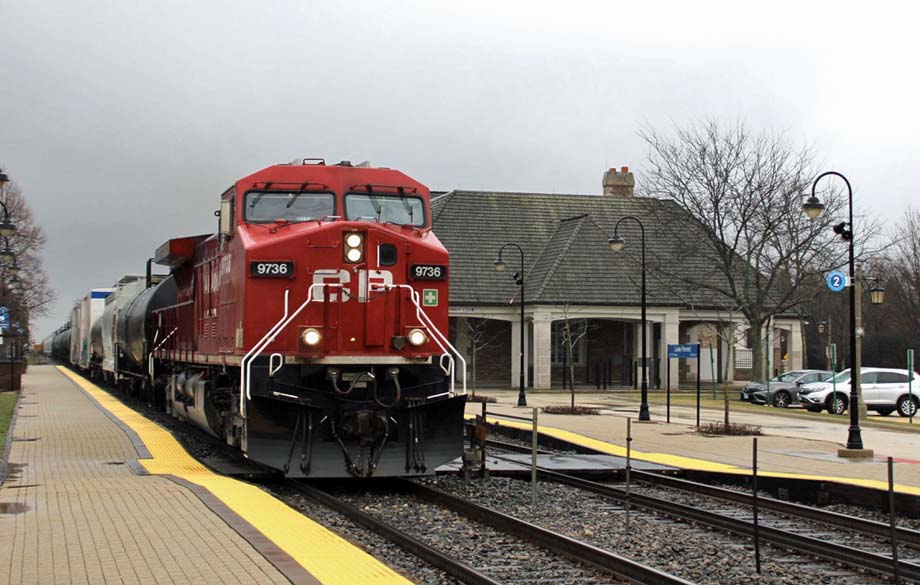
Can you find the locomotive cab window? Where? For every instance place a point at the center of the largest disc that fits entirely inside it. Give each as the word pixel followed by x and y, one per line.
pixel 270 206
pixel 385 209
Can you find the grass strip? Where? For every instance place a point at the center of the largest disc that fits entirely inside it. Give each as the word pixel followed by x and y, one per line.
pixel 7 404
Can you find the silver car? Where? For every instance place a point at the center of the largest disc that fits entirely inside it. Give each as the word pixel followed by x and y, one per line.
pixel 784 389
pixel 884 390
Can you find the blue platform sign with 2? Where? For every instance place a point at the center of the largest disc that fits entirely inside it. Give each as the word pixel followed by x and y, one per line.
pixel 836 281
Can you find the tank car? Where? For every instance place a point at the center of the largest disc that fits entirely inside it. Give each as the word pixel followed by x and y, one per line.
pixel 82 318
pixel 124 292
pixel 60 345
pixel 311 330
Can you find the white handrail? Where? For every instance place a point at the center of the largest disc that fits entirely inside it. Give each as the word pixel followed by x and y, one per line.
pixel 244 381
pixel 438 335
pixel 246 363
pixel 440 339
pixel 272 368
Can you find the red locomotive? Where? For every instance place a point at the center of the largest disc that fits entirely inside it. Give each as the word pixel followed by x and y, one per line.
pixel 311 330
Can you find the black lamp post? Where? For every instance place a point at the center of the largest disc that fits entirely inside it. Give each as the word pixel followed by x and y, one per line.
pixel 7 227
pixel 616 244
pixel 519 280
pixel 813 208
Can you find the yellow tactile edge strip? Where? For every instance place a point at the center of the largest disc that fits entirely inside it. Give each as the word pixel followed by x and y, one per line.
pixel 328 557
pixel 693 463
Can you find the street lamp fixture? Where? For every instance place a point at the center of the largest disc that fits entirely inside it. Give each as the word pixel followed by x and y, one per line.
pixel 877 294
pixel 519 280
pixel 7 254
pixel 813 208
pixel 617 243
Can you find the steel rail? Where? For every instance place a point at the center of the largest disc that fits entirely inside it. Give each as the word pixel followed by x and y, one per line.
pixel 863 525
pixel 453 567
pixel 868 527
pixel 846 555
pixel 578 551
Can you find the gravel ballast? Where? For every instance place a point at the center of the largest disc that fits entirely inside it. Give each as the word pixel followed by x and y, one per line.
pixel 688 551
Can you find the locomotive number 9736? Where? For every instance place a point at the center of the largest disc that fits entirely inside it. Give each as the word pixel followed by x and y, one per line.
pixel 271 269
pixel 429 272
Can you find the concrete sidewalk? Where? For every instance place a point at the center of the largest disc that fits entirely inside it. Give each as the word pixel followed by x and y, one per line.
pixel 73 511
pixel 788 445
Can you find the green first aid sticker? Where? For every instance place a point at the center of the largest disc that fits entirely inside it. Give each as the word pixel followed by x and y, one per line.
pixel 430 297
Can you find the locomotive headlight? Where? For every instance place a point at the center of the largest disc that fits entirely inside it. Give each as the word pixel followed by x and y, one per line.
pixel 353 240
pixel 354 247
pixel 417 337
pixel 311 336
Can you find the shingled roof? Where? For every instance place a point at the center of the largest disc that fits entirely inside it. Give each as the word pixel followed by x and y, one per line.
pixel 567 260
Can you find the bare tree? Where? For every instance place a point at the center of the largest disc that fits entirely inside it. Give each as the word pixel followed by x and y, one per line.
pixel 480 336
pixel 760 253
pixel 904 265
pixel 573 330
pixel 35 296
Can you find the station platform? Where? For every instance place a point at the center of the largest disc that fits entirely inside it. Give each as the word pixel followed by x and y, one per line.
pixel 96 493
pixel 790 447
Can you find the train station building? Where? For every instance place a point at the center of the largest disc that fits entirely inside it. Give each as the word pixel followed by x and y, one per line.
pixel 576 288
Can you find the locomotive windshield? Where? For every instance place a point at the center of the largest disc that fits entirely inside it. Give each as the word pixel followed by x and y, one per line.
pixel 385 208
pixel 270 206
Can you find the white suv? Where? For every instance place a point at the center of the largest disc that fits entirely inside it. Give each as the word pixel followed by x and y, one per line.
pixel 884 390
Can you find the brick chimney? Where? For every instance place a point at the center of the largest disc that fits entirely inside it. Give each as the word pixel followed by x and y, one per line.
pixel 619 184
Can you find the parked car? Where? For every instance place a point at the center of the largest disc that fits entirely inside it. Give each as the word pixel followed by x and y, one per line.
pixel 784 389
pixel 884 390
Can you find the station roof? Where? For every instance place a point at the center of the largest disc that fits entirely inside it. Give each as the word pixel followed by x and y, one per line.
pixel 566 255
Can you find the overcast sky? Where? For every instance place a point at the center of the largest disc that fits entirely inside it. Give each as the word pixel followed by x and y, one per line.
pixel 124 121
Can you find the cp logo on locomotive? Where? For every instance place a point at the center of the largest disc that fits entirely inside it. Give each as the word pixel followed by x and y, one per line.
pixel 366 280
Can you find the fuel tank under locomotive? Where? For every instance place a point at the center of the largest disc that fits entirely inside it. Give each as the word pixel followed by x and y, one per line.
pixel 131 329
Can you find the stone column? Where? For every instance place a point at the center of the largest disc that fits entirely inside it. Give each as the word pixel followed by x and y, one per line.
pixel 796 354
pixel 648 350
pixel 528 332
pixel 462 343
pixel 670 335
pixel 515 352
pixel 542 351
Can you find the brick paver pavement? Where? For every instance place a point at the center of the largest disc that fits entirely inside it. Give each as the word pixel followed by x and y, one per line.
pixel 73 511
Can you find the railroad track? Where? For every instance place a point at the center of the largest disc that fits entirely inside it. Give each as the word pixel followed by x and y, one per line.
pixel 590 558
pixel 788 536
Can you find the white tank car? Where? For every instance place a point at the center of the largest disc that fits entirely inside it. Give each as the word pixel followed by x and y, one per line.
pixel 123 293
pixel 74 338
pixel 87 311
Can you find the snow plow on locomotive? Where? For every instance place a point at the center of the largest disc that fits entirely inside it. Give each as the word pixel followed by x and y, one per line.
pixel 310 331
